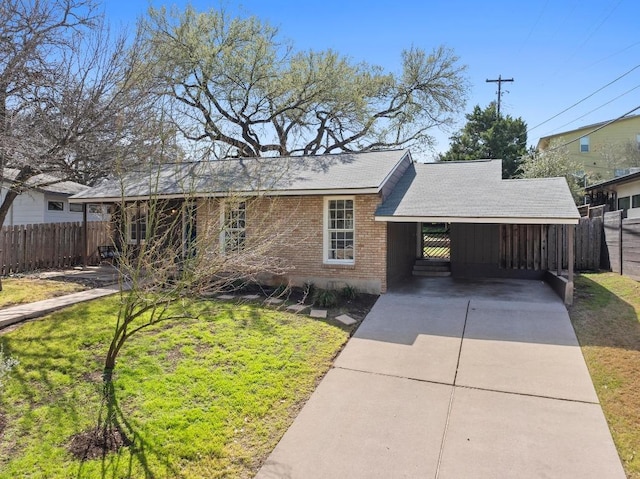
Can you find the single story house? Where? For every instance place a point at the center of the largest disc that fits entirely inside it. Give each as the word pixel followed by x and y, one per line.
pixel 621 193
pixel 46 200
pixel 357 218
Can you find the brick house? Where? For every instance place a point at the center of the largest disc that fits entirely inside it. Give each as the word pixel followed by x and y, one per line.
pixel 354 219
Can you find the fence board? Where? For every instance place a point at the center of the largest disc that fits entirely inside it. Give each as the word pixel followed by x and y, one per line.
pixel 537 247
pixel 53 245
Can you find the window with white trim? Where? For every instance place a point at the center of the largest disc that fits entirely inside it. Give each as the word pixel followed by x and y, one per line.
pixel 339 230
pixel 55 206
pixel 584 144
pixel 136 223
pixel 234 233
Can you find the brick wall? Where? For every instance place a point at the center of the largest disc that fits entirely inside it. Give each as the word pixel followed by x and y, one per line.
pixel 294 227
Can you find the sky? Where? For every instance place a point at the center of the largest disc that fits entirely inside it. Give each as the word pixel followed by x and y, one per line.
pixel 557 52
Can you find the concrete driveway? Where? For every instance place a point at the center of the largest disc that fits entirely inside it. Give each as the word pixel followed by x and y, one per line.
pixel 448 379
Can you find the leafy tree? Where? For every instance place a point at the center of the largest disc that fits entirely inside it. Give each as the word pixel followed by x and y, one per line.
pixel 554 162
pixel 488 136
pixel 239 90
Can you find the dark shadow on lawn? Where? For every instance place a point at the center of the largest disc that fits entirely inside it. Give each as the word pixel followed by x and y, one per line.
pixel 112 439
pixel 601 318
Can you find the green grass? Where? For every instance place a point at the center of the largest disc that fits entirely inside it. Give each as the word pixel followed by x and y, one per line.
pixel 207 397
pixel 27 290
pixel 605 317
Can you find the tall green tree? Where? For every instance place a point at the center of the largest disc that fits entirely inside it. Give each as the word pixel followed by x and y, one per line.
pixel 238 89
pixel 487 136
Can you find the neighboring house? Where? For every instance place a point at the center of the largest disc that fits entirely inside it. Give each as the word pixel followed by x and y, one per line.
pixel 359 216
pixel 603 150
pixel 622 193
pixel 46 200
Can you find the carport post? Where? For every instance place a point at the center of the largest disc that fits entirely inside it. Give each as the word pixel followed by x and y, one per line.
pixel 559 250
pixel 570 251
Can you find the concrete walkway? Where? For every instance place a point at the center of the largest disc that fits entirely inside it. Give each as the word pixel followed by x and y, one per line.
pixel 16 314
pixel 449 380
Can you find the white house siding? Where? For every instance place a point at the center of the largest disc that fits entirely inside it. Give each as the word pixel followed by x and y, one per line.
pixel 26 209
pixel 64 216
pixel 31 207
pixel 630 189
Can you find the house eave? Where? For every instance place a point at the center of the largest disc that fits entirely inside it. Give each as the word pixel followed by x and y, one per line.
pixel 519 220
pixel 319 192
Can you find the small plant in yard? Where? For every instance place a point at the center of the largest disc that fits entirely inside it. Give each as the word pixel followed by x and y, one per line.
pixel 349 292
pixel 325 298
pixel 7 363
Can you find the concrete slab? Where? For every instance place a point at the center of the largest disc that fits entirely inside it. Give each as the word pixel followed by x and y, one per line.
pixel 525 350
pixel 274 301
pixel 318 313
pixel 368 419
pixel 417 339
pixel 494 434
pixel 362 426
pixel 251 296
pixel 226 297
pixel 296 308
pixel 346 319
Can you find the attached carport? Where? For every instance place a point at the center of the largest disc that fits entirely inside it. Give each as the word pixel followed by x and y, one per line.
pixel 499 228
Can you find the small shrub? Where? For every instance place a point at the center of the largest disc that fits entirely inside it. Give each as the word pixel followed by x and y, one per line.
pixel 325 298
pixel 349 292
pixel 7 363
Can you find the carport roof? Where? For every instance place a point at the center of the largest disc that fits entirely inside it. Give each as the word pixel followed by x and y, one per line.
pixel 474 192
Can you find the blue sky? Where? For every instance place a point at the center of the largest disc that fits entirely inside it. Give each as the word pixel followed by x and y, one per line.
pixel 558 52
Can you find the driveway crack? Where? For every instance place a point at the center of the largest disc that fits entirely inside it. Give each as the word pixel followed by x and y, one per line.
pixel 452 396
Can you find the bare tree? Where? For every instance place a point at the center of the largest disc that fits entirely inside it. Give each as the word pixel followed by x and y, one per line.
pixel 69 93
pixel 240 89
pixel 174 250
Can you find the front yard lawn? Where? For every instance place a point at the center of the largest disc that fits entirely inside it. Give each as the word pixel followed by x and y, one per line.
pixel 27 290
pixel 605 317
pixel 207 397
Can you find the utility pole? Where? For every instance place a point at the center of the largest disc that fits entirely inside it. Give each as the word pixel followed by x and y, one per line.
pixel 499 81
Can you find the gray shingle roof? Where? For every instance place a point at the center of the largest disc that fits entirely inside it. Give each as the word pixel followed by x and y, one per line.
pixel 467 190
pixel 290 175
pixel 47 183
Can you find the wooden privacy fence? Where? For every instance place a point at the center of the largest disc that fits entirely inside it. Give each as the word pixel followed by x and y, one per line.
pixel 623 243
pixel 536 247
pixel 51 245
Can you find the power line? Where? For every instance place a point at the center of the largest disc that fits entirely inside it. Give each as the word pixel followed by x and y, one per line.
pixel 595 109
pixel 594 130
pixel 585 98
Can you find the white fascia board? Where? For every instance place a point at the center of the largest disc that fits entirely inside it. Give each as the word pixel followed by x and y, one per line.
pixel 344 191
pixel 481 220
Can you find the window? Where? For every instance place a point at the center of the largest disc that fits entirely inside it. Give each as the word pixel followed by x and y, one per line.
pixel 234 229
pixel 584 144
pixel 136 223
pixel 635 201
pixel 620 172
pixel 638 142
pixel 339 230
pixel 624 203
pixel 55 206
pixel 75 207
